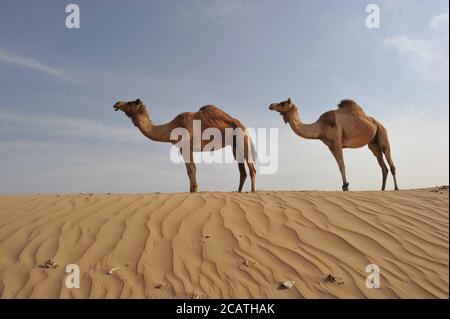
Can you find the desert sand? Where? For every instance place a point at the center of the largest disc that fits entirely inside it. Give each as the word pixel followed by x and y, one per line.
pixel 226 245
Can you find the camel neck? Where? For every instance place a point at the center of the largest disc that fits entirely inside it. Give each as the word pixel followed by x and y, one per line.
pixel 159 133
pixel 308 131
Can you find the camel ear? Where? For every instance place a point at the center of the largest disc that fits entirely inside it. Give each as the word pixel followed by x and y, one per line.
pixel 138 101
pixel 289 100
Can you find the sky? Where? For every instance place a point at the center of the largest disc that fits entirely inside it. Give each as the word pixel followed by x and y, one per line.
pixel 59 134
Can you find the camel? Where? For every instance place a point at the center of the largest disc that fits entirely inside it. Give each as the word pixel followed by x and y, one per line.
pixel 346 127
pixel 209 116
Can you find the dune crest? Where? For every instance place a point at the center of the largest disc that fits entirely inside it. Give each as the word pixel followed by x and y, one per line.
pixel 226 245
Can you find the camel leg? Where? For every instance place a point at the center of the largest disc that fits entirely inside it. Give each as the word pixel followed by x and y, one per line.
pixel 337 153
pixel 250 165
pixel 191 170
pixel 383 142
pixel 243 176
pixel 244 150
pixel 252 170
pixel 242 172
pixel 387 154
pixel 376 150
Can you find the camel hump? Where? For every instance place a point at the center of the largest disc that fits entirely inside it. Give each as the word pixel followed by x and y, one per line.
pixel 209 107
pixel 350 106
pixel 213 114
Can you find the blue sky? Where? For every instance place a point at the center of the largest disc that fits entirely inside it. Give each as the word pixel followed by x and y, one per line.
pixel 58 132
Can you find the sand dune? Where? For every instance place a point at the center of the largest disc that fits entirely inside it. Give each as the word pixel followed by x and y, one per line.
pixel 226 245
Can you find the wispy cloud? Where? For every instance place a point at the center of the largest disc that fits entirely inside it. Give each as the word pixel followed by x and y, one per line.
pixel 57 126
pixel 428 57
pixel 33 64
pixel 423 55
pixel 440 23
pixel 98 77
pixel 30 167
pixel 220 11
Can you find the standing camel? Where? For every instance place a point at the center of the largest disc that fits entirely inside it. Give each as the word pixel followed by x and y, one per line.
pixel 346 127
pixel 209 117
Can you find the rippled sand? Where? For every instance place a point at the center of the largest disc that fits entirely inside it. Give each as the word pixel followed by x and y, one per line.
pixel 226 245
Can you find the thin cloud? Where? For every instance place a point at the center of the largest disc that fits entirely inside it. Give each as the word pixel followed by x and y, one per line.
pixel 427 57
pixel 52 167
pixel 221 12
pixel 97 77
pixel 58 126
pixel 421 54
pixel 33 64
pixel 440 23
pixel 84 77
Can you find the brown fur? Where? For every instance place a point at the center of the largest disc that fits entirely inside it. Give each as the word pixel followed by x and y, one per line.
pixel 350 106
pixel 346 127
pixel 209 116
pixel 329 118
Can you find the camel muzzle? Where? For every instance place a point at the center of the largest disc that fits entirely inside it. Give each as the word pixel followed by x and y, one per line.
pixel 118 106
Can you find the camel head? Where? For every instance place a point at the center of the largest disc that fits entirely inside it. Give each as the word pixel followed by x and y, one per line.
pixel 130 108
pixel 284 108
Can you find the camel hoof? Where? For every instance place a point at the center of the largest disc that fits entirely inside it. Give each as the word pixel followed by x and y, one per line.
pixel 396 188
pixel 345 187
pixel 194 189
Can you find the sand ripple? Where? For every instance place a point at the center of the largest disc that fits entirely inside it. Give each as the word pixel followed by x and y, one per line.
pixel 226 245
